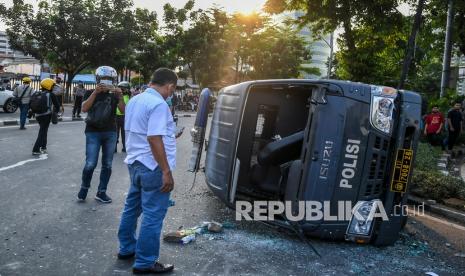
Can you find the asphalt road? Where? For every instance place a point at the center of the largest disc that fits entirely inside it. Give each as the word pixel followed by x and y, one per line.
pixel 45 231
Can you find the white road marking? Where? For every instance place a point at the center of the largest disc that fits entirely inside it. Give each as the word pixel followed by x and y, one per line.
pixel 21 163
pixel 36 125
pixel 445 222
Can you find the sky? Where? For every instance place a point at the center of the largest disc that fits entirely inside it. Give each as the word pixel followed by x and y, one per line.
pixel 157 5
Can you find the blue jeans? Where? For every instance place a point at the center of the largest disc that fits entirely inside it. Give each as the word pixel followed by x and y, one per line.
pixel 144 197
pixel 24 108
pixel 95 140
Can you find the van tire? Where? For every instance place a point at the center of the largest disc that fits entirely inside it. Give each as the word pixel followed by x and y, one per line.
pixel 9 106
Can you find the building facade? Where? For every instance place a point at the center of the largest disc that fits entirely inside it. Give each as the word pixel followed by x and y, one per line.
pixel 320 50
pixel 16 61
pixel 458 66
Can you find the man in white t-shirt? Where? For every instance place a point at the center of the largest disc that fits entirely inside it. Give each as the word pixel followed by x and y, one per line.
pixel 151 157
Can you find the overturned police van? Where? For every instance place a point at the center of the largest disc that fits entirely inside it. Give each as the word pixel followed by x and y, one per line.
pixel 318 141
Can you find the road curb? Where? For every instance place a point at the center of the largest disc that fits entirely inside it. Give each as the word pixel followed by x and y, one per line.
pixel 438 209
pixel 11 123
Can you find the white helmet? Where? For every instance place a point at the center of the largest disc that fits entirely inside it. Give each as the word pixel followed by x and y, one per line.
pixel 106 75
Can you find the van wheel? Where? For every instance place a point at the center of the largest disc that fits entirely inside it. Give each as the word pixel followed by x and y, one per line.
pixel 10 106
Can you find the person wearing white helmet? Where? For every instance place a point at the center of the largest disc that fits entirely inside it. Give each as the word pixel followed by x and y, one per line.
pixel 100 105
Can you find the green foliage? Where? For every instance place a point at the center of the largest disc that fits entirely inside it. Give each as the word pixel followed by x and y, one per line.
pixel 267 55
pixel 435 185
pixel 366 27
pixel 73 35
pixel 445 103
pixel 427 157
pixel 212 42
pixel 136 81
pixel 428 181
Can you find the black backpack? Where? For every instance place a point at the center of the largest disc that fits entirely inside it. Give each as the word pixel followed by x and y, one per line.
pixel 39 102
pixel 101 113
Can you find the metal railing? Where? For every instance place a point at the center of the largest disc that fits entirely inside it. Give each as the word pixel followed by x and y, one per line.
pixel 68 96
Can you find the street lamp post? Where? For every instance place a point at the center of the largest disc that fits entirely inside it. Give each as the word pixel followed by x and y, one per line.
pixel 331 53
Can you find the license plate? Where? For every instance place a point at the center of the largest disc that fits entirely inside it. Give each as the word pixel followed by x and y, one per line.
pixel 402 169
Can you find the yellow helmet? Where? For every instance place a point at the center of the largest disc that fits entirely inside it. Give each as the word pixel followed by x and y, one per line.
pixel 27 80
pixel 47 84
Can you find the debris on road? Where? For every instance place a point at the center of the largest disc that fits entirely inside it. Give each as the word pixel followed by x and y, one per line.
pixel 462 255
pixel 188 235
pixel 215 227
pixel 188 239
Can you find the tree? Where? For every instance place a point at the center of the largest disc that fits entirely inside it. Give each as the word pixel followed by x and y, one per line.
pixel 196 39
pixel 241 32
pixel 354 17
pixel 277 54
pixel 71 35
pixel 410 47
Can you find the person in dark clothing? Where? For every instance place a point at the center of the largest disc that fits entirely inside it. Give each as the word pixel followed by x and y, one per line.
pixel 79 91
pixel 101 130
pixel 126 88
pixel 44 119
pixel 454 121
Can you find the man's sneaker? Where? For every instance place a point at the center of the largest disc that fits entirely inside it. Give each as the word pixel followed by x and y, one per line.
pixel 154 269
pixel 43 151
pixel 102 197
pixel 82 194
pixel 126 257
pixel 36 153
pixel 22 128
pixel 79 116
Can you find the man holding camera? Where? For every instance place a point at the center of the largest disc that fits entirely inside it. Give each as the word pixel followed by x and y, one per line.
pixel 101 105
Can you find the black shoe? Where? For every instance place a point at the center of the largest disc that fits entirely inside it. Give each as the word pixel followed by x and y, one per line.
pixel 124 150
pixel 126 257
pixel 102 197
pixel 22 128
pixel 82 194
pixel 79 116
pixel 36 153
pixel 154 269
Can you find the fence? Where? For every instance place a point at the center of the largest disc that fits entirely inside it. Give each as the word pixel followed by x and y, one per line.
pixel 68 96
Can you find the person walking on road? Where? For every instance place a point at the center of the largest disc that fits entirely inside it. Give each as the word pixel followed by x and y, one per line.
pixel 454 121
pixel 23 93
pixel 126 88
pixel 44 103
pixel 434 123
pixel 151 158
pixel 79 91
pixel 100 130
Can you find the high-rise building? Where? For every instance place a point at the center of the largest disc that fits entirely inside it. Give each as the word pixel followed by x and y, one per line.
pixel 16 61
pixel 320 51
pixel 458 64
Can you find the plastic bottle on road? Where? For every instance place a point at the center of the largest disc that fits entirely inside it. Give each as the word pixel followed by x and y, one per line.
pixel 188 239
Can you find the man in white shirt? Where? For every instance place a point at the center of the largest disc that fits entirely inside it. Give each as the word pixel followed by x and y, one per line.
pixel 151 157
